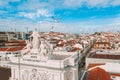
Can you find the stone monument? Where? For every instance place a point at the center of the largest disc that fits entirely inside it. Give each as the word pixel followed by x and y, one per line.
pixel 34 39
pixel 38 47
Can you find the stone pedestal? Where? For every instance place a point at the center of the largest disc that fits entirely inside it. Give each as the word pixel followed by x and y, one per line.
pixel 34 52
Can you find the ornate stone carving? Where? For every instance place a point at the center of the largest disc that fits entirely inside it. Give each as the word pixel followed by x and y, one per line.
pixel 35 74
pixel 25 75
pixel 45 76
pixel 38 47
pixel 45 48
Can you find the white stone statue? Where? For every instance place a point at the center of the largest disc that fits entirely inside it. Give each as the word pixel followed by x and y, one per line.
pixel 45 48
pixel 35 40
pixel 49 47
pixel 26 48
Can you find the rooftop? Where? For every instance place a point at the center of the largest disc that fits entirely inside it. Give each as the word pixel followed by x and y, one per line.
pixel 105 56
pixel 103 72
pixel 11 49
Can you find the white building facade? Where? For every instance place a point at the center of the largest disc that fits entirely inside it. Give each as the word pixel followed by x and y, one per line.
pixel 38 61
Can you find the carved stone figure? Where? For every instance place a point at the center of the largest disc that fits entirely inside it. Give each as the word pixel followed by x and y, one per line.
pixel 45 48
pixel 45 76
pixel 38 46
pixel 25 75
pixel 49 48
pixel 35 75
pixel 35 41
pixel 27 48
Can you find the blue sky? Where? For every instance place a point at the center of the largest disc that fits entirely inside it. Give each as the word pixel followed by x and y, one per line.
pixel 74 16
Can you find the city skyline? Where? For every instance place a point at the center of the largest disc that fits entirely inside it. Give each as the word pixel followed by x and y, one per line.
pixel 74 16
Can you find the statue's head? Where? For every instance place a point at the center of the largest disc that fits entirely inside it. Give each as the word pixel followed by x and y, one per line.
pixel 35 30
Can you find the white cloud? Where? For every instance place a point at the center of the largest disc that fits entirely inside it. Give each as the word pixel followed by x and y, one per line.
pixel 90 3
pixel 74 27
pixel 40 13
pixel 97 3
pixel 43 12
pixel 110 24
pixel 14 0
pixel 32 5
pixel 3 3
pixel 19 24
pixel 73 3
pixel 35 9
pixel 115 2
pixel 27 15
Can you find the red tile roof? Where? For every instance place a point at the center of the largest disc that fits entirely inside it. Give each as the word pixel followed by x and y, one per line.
pixel 93 65
pixel 15 43
pixel 105 56
pixel 12 49
pixel 98 74
pixel 15 49
pixel 113 74
pixel 3 49
pixel 75 49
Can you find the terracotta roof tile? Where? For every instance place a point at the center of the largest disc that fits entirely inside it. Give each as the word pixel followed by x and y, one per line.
pixel 98 74
pixel 113 74
pixel 3 49
pixel 12 49
pixel 105 56
pixel 93 65
pixel 15 49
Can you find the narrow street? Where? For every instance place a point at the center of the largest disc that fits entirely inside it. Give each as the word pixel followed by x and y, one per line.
pixel 84 55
